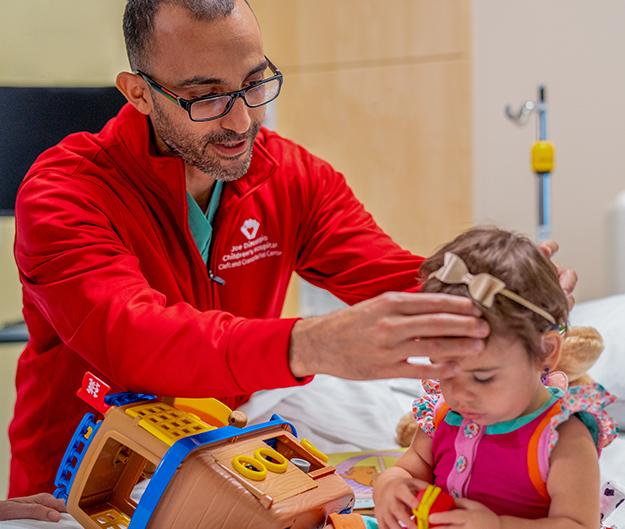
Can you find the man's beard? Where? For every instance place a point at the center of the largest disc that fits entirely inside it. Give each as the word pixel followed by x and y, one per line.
pixel 192 149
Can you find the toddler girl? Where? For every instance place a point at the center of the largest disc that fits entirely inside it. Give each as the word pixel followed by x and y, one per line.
pixel 513 451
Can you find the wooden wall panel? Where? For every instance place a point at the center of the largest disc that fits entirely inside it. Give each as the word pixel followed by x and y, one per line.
pixel 382 127
pixel 308 33
pixel 381 90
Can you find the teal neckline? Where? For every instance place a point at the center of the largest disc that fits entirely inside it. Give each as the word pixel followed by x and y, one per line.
pixel 454 419
pixel 200 224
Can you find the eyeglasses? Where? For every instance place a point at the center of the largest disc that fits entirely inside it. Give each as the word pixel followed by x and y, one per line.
pixel 482 287
pixel 207 108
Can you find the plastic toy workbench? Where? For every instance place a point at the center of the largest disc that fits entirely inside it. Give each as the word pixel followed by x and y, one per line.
pixel 207 468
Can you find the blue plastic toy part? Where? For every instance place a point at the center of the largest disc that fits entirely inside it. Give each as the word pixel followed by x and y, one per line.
pixel 126 397
pixel 74 455
pixel 176 455
pixel 279 420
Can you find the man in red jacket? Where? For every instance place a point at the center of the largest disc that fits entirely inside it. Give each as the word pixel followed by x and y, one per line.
pixel 157 252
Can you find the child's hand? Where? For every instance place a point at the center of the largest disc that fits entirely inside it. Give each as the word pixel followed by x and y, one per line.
pixel 395 500
pixel 468 515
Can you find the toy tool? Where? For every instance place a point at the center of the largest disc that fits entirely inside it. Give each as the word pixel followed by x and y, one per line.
pixel 432 499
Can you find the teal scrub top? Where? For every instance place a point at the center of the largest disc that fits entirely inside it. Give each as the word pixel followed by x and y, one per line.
pixel 200 223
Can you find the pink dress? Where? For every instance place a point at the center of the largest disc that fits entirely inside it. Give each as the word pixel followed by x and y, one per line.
pixel 505 465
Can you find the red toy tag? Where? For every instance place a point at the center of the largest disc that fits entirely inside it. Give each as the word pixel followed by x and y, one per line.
pixel 93 391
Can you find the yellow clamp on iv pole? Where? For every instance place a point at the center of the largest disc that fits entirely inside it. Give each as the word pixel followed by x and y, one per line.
pixel 542 157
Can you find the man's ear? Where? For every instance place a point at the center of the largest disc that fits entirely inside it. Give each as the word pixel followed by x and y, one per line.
pixel 136 91
pixel 552 347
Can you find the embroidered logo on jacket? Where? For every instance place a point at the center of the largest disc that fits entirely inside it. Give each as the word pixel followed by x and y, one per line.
pixel 250 228
pixel 258 246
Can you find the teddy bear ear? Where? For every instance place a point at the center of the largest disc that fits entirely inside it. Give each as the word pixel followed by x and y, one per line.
pixel 581 348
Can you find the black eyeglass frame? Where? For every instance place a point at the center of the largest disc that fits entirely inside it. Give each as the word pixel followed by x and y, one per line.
pixel 186 103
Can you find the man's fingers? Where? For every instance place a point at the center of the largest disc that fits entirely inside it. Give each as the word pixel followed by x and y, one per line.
pixel 566 276
pixel 42 506
pixel 447 325
pixel 438 350
pixel 413 303
pixel 43 498
pixel 426 371
pixel 50 501
pixel 567 279
pixel 13 510
pixel 445 349
pixel 394 363
pixel 415 371
pixel 571 301
pixel 397 329
pixel 549 247
pixel 438 371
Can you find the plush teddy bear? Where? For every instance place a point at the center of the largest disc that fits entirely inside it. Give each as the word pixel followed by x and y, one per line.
pixel 580 350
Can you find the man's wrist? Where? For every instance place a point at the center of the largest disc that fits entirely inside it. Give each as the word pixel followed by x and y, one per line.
pixel 300 349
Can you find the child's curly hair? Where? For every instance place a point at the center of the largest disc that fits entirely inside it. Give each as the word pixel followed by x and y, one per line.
pixel 524 268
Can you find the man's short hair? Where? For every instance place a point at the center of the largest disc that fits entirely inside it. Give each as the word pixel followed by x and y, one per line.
pixel 139 22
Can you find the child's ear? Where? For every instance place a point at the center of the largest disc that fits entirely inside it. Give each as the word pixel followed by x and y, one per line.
pixel 552 346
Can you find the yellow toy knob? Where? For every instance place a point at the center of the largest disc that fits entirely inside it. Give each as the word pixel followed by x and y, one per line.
pixel 543 157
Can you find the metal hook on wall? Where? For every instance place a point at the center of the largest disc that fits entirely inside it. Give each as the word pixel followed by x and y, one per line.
pixel 521 117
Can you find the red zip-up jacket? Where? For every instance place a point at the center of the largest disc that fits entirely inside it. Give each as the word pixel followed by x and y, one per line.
pixel 113 281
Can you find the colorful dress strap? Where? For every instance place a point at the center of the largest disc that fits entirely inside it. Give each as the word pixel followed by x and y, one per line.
pixel 538 467
pixel 587 403
pixel 426 409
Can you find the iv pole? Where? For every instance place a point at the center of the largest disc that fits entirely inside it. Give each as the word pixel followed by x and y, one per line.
pixel 542 159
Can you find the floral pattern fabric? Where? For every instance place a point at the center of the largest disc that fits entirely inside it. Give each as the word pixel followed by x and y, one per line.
pixel 423 407
pixel 593 399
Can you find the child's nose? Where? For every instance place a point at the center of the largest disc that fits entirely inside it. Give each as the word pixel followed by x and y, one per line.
pixel 462 393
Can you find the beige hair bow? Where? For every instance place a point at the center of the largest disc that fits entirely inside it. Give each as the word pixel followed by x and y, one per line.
pixel 482 287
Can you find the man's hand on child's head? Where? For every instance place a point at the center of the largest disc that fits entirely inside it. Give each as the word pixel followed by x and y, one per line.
pixel 375 338
pixel 566 276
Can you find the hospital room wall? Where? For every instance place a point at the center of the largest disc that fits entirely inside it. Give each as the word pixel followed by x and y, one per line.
pixel 577 49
